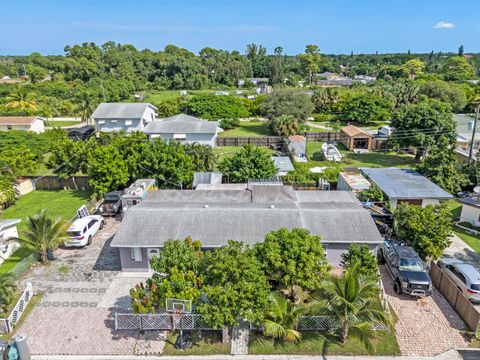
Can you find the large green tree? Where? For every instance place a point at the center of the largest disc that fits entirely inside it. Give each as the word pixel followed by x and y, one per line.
pixel 214 107
pixel 251 162
pixel 284 102
pixel 235 286
pixel 310 61
pixel 364 108
pixel 20 160
pixel 458 68
pixel 445 91
pixel 293 258
pixel 106 169
pixel 440 166
pixel 421 125
pixel 427 229
pixel 367 261
pixel 284 125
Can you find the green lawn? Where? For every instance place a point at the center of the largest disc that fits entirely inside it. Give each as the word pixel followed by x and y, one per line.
pixel 314 343
pixel 248 128
pixel 472 240
pixel 61 203
pixel 61 123
pixel 226 151
pixel 350 159
pixel 204 343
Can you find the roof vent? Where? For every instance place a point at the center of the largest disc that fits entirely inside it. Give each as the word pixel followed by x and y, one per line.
pixel 205 206
pixel 272 206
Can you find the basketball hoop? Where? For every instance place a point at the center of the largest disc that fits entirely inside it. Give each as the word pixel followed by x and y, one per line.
pixel 177 318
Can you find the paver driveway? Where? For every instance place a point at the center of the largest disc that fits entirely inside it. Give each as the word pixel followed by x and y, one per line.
pixel 426 326
pixel 81 292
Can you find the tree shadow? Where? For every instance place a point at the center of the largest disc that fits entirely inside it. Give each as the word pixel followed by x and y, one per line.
pixel 109 258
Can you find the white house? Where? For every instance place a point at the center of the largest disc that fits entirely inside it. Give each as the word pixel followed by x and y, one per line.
pixel 184 128
pixel 129 117
pixel 470 210
pixel 27 123
pixel 8 231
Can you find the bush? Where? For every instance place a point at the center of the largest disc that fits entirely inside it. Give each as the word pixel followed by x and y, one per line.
pixel 214 107
pixel 291 103
pixel 368 265
pixel 228 124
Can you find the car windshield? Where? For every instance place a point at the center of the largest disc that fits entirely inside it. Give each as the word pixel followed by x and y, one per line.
pixel 411 264
pixel 75 233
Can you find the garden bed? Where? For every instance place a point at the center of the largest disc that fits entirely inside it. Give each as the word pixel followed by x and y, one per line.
pixel 317 343
pixel 204 343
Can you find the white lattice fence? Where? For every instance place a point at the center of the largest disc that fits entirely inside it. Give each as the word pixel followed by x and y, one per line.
pixel 7 325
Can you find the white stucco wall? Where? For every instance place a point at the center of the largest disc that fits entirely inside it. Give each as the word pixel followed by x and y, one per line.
pixel 202 139
pixel 38 126
pixel 470 214
pixel 5 234
pixel 113 125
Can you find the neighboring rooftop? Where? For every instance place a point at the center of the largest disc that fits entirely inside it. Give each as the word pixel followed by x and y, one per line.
pixel 18 120
pixel 352 130
pixel 404 184
pixel 283 164
pixel 182 123
pixel 355 181
pixel 214 217
pixel 121 110
pixel 465 127
pixel 472 201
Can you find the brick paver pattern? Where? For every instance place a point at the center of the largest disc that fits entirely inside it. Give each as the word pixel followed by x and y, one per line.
pixel 425 326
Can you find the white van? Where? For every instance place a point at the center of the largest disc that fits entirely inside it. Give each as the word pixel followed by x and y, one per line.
pixel 83 230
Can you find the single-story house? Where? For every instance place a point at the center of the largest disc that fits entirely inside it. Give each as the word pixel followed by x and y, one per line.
pixel 184 128
pixel 8 231
pixel 216 216
pixel 355 138
pixel 80 133
pixel 129 117
pixel 465 124
pixel 35 124
pixel 283 164
pixel 470 210
pixel 405 185
pixel 351 181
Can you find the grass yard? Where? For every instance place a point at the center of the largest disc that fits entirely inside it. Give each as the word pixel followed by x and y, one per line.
pixel 372 159
pixel 61 123
pixel 248 128
pixel 223 152
pixel 471 240
pixel 314 343
pixel 204 343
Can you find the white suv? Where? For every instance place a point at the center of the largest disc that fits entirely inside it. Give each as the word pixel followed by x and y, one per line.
pixel 465 276
pixel 83 230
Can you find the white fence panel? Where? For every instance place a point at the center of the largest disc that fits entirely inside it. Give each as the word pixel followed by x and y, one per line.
pixel 7 325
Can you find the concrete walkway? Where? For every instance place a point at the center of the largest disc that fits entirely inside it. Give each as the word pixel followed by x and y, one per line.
pixel 462 251
pixel 449 355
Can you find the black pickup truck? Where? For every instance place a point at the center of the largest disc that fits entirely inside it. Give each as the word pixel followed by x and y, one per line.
pixel 406 268
pixel 111 204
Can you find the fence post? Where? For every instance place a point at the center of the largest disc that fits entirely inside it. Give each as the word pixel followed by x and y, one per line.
pixel 116 321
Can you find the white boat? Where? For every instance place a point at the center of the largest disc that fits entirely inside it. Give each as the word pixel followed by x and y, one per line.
pixel 331 153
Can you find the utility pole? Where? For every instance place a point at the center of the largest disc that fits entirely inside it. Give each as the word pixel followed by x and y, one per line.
pixel 470 153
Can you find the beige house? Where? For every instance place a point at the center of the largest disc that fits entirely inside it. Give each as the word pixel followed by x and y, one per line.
pixel 26 123
pixel 355 138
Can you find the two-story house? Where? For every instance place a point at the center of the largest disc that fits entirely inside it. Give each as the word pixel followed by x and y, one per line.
pixel 129 117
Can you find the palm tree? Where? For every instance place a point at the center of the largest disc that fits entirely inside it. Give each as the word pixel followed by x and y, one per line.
pixel 85 105
pixel 352 301
pixel 7 291
pixel 282 319
pixel 43 234
pixel 202 156
pixel 284 125
pixel 22 99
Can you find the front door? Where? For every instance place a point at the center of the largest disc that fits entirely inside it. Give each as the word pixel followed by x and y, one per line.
pixel 151 253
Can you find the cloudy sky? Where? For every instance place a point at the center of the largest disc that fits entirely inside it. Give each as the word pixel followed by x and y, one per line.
pixel 337 26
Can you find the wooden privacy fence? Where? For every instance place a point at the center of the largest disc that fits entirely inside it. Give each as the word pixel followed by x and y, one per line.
pixel 455 297
pixel 274 141
pixel 56 183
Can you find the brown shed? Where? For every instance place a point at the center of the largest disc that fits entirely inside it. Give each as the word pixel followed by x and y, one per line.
pixel 355 138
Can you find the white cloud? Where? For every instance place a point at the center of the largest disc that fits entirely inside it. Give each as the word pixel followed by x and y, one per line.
pixel 444 25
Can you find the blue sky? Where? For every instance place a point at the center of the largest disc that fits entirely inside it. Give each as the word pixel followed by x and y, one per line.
pixel 337 26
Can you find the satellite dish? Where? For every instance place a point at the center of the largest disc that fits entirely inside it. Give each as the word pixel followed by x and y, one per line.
pixel 476 189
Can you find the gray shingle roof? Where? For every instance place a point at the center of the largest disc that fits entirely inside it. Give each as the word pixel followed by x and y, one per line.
pixel 182 124
pixel 405 184
pixel 214 217
pixel 120 110
pixel 283 163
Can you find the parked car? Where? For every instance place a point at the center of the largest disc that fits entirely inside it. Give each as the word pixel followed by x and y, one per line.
pixel 111 204
pixel 83 230
pixel 406 268
pixel 465 276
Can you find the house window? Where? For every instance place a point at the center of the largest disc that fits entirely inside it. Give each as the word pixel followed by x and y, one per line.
pixel 136 254
pixel 128 123
pixel 9 127
pixel 113 121
pixel 101 122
